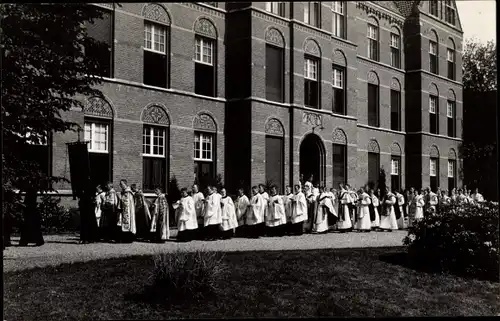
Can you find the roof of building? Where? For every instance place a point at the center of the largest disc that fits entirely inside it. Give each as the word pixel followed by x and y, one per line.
pixel 406 8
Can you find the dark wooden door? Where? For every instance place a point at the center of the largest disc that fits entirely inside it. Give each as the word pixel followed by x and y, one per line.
pixel 274 161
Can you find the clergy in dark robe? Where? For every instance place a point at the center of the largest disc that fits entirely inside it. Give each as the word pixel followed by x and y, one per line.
pixel 126 214
pixel 371 208
pixel 160 231
pixel 397 208
pixel 344 223
pixel 31 226
pixel 142 214
pixel 109 212
pixel 89 232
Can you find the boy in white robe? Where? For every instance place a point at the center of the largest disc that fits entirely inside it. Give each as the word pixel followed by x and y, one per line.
pixel 287 202
pixel 299 211
pixel 255 213
pixel 374 215
pixel 364 223
pixel 198 198
pixel 477 197
pixel 388 220
pixel 241 206
pixel 419 205
pixel 265 197
pixel 276 216
pixel 126 216
pixel 311 208
pixel 187 222
pixel 400 203
pixel 212 215
pixel 324 209
pixel 432 201
pixel 229 220
pixel 99 200
pixel 344 223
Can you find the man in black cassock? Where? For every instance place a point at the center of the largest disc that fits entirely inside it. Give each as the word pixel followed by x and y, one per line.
pixel 31 227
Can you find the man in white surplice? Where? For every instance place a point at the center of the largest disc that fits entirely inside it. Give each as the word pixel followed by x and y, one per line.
pixel 287 201
pixel 265 197
pixel 255 213
pixel 299 211
pixel 212 215
pixel 276 216
pixel 187 223
pixel 241 205
pixel 198 198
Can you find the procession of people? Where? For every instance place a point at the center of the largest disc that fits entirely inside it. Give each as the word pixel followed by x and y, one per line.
pixel 126 216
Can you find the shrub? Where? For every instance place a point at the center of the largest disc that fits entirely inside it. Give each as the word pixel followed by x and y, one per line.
pixel 183 276
pixel 55 217
pixel 460 239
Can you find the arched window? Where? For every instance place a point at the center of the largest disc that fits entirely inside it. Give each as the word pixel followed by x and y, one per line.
pixel 339 155
pixel 98 122
pixel 373 99
pixel 373 40
pixel 155 147
pixel 450 58
pixel 396 166
pixel 275 151
pixel 339 83
pixel 434 168
pixel 451 113
pixel 205 58
pixel 156 55
pixel 395 105
pixel 434 53
pixel 373 162
pixel 338 19
pixel 205 130
pixel 395 48
pixel 312 75
pixel 452 169
pixel 275 65
pixel 433 109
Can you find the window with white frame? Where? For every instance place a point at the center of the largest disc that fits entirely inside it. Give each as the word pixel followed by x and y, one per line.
pixel 372 42
pixel 433 58
pixel 450 114
pixel 155 37
pixel 203 146
pixel 449 109
pixel 432 104
pixel 338 19
pixel 450 57
pixel 449 12
pixel 394 166
pixel 433 7
pixel 338 78
pixel 433 167
pixel 97 136
pixel 312 13
pixel 338 85
pixel 153 141
pixel 276 8
pixel 451 169
pixel 311 69
pixel 395 51
pixel 203 50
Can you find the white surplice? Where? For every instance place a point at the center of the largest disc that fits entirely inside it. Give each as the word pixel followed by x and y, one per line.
pixel 299 208
pixel 198 206
pixel 325 205
pixel 276 215
pixel 229 220
pixel 401 203
pixel 388 217
pixel 255 213
pixel 186 214
pixel 419 207
pixel 241 206
pixel 213 211
pixel 265 198
pixel 287 202
pixel 376 203
pixel 364 222
pixel 344 200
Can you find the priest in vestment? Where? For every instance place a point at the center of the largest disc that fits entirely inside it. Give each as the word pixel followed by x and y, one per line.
pixel 109 214
pixel 198 198
pixel 344 223
pixel 324 209
pixel 126 216
pixel 241 206
pixel 388 220
pixel 229 219
pixel 213 214
pixel 276 216
pixel 160 231
pixel 142 214
pixel 287 202
pixel 255 213
pixel 311 208
pixel 299 211
pixel 185 214
pixel 364 223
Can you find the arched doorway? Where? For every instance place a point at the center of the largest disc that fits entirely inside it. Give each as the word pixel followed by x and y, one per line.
pixel 312 159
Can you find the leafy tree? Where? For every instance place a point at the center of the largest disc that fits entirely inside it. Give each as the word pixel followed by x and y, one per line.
pixel 480 66
pixel 44 73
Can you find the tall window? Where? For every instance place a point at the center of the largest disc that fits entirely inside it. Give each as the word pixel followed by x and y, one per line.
pixel 155 55
pixel 338 87
pixel 449 12
pixel 154 158
pixel 451 174
pixel 373 105
pixel 395 51
pixel 204 157
pixel 373 42
pixel 433 8
pixel 450 57
pixel 311 83
pixel 395 172
pixel 373 167
pixel 312 13
pixel 204 70
pixel 98 143
pixel 339 164
pixel 450 115
pixel 276 8
pixel 274 161
pixel 395 110
pixel 433 57
pixel 101 30
pixel 433 114
pixel 274 73
pixel 338 19
pixel 434 173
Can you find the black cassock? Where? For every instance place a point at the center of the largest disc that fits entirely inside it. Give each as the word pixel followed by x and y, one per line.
pixel 341 208
pixel 371 208
pixel 397 209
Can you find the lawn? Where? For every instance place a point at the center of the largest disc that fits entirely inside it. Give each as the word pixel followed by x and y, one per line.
pixel 338 283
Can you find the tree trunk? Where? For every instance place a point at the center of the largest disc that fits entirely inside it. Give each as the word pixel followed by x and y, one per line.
pixel 31 228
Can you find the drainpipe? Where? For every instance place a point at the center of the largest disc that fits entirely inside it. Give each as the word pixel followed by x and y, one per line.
pixel 291 95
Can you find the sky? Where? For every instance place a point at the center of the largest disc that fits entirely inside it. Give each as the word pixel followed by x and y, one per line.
pixel 478 18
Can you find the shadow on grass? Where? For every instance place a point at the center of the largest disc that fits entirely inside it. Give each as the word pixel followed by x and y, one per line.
pixel 424 265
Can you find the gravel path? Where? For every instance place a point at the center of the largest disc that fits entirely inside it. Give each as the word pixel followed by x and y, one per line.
pixel 65 248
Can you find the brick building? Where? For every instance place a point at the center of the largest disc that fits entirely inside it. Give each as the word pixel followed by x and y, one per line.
pixel 265 91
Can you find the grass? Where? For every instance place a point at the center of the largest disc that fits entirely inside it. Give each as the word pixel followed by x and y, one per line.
pixel 337 283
